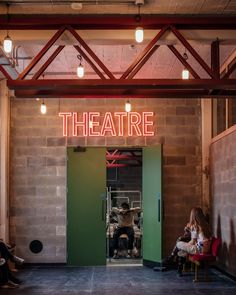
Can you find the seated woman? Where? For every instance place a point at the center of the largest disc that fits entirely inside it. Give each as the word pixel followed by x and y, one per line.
pixel 7 280
pixel 200 237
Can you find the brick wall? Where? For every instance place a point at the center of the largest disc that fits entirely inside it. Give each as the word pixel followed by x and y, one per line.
pixel 223 190
pixel 38 166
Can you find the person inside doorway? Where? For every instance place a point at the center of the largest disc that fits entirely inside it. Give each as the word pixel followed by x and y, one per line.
pixel 125 218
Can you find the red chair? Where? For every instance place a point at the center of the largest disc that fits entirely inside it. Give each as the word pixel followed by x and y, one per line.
pixel 205 259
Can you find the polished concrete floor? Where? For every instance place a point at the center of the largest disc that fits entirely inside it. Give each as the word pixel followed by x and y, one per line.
pixel 116 280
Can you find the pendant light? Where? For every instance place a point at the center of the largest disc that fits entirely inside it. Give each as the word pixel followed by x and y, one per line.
pixel 139 33
pixel 43 108
pixel 80 68
pixel 128 106
pixel 185 72
pixel 7 42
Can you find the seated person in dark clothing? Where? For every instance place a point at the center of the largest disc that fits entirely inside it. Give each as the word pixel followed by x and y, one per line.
pixel 125 217
pixel 7 280
pixel 186 237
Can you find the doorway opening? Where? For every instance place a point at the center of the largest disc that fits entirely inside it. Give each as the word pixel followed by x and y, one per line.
pixel 89 202
pixel 124 185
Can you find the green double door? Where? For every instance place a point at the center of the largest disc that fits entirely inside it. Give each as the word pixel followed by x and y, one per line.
pixel 152 205
pixel 86 206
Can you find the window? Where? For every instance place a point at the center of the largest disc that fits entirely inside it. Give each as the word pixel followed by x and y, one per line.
pixel 223 114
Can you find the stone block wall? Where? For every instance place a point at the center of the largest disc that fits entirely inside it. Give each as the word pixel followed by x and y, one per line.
pixel 38 166
pixel 223 196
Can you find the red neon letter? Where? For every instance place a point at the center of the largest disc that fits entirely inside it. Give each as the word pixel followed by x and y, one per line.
pixel 108 125
pixel 134 119
pixel 120 116
pixel 147 123
pixel 93 124
pixel 65 122
pixel 82 123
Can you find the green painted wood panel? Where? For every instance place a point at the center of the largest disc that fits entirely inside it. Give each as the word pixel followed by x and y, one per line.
pixel 86 207
pixel 152 204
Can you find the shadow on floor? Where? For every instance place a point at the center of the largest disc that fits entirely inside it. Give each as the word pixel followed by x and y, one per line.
pixel 136 280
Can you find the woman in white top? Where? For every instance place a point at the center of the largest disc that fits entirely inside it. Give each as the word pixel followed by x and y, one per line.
pixel 200 237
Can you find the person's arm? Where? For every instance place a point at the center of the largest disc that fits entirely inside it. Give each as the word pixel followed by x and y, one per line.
pixel 115 210
pixel 136 210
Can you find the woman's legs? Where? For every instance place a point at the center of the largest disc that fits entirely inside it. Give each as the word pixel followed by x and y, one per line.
pixel 184 248
pixel 188 248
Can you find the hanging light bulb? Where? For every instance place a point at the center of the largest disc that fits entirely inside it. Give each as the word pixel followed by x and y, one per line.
pixel 80 68
pixel 43 108
pixel 185 72
pixel 128 107
pixel 139 34
pixel 7 42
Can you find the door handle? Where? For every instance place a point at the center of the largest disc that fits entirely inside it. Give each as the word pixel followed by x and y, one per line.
pixel 103 198
pixel 158 207
pixel 103 210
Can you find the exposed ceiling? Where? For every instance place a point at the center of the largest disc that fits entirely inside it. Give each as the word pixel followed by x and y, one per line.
pixel 213 7
pixel 117 48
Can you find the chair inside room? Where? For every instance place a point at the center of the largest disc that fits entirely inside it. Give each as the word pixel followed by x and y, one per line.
pixel 205 259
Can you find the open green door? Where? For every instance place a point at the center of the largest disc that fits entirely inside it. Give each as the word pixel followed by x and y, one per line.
pixel 86 206
pixel 152 205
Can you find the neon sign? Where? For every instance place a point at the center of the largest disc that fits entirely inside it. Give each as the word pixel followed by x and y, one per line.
pixel 109 124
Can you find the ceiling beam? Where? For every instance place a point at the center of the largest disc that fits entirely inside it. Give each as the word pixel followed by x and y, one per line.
pixel 116 88
pixel 116 94
pixel 124 83
pixel 115 22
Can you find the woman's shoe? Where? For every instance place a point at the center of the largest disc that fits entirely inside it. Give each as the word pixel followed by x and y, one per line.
pixel 18 260
pixel 10 285
pixel 168 261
